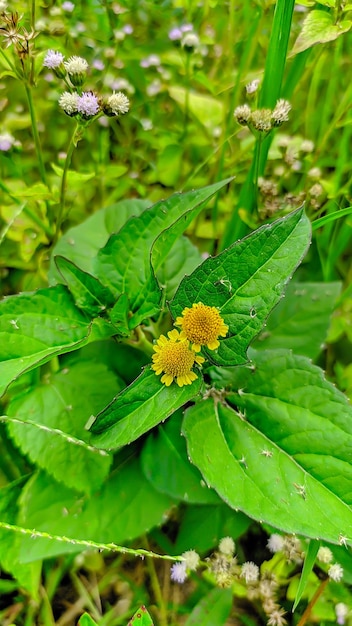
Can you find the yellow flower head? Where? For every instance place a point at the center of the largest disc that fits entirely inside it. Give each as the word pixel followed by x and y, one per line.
pixel 175 358
pixel 202 325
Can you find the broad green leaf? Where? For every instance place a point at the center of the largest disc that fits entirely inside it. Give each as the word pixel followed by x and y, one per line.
pixel 64 401
pixel 89 294
pixel 207 110
pixel 256 474
pixel 182 259
pixel 288 398
pixel 202 527
pixel 141 618
pixel 309 561
pixel 118 315
pixel 213 609
pixel 27 575
pixel 127 263
pixel 124 508
pixel 301 320
pixel 34 327
pixel 169 164
pixel 86 620
pixel 138 408
pixel 246 281
pixel 319 27
pixel 73 176
pixel 37 191
pixel 165 464
pixel 81 243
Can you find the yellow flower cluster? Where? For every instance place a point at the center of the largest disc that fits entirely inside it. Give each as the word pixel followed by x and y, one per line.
pixel 176 355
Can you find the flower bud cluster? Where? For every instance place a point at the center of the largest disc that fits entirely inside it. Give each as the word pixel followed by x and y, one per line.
pixel 263 120
pixel 261 584
pixel 85 105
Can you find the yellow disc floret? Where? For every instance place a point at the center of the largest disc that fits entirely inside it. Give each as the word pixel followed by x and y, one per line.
pixel 202 325
pixel 175 358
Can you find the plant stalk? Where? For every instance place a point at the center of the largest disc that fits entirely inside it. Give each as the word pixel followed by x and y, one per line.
pixel 306 615
pixel 76 136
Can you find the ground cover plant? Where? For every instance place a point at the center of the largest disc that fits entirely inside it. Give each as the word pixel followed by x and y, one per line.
pixel 175 313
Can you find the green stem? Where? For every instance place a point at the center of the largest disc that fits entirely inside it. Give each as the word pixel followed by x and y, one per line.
pixel 141 342
pixel 32 10
pixel 111 547
pixel 36 138
pixel 256 171
pixel 187 93
pixel 154 581
pixel 77 135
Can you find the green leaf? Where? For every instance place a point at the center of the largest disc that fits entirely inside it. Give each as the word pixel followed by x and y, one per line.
pixel 301 320
pixel 119 314
pixel 34 327
pixel 309 560
pixel 86 620
pixel 165 464
pixel 247 462
pixel 207 110
pixel 89 294
pixel 126 263
pixel 246 281
pixel 138 408
pixel 141 618
pixel 64 401
pixel 212 610
pixel 169 164
pixel 319 27
pixel 37 191
pixel 289 399
pixel 124 508
pixel 182 259
pixel 330 217
pixel 73 176
pixel 27 575
pixel 81 243
pixel 202 527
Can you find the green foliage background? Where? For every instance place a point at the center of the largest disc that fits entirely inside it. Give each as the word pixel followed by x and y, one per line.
pixel 99 258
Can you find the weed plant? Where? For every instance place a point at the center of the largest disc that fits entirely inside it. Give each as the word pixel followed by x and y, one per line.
pixel 175 321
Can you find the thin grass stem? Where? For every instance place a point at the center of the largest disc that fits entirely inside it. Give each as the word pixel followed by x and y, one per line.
pixel 75 138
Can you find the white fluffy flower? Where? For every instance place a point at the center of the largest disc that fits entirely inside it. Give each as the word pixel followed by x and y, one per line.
pixel 68 102
pixel 191 559
pixel 324 555
pixel 275 543
pixel 227 546
pixel 117 104
pixel 250 572
pixel 88 104
pixel 53 59
pixel 178 572
pixel 76 65
pixel 335 572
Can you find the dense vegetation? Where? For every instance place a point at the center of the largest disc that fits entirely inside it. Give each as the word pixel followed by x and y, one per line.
pixel 175 313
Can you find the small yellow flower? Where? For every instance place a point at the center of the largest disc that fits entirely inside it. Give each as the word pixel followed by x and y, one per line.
pixel 175 358
pixel 202 325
